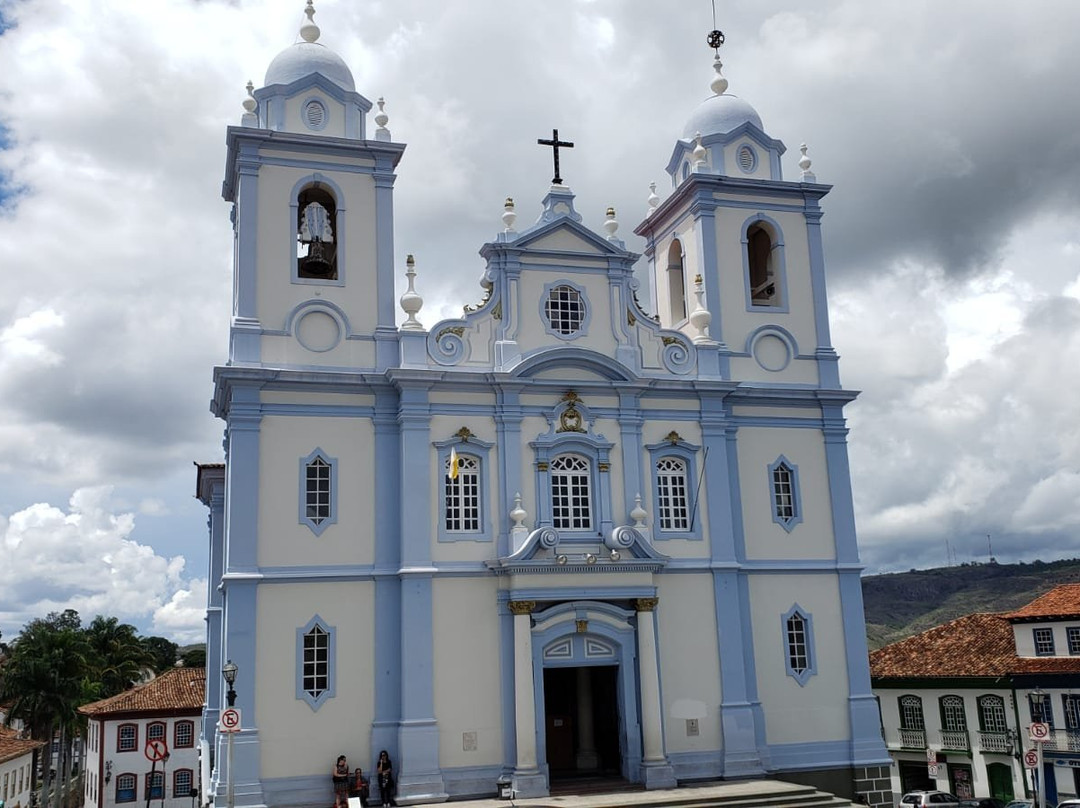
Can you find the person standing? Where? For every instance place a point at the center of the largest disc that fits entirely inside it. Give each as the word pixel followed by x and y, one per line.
pixel 361 787
pixel 385 771
pixel 340 777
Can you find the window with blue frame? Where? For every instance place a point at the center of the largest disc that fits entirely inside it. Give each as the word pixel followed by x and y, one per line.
pixel 798 645
pixel 316 654
pixel 461 489
pixel 318 491
pixel 571 493
pixel 125 787
pixel 672 495
pixel 1044 641
pixel 1041 708
pixel 784 486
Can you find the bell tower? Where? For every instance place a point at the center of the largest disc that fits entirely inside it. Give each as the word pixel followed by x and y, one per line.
pixel 313 218
pixel 752 237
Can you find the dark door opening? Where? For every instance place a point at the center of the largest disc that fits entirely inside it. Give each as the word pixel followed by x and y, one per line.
pixel 582 721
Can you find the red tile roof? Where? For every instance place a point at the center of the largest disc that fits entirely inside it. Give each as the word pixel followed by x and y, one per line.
pixel 13 746
pixel 975 645
pixel 1061 602
pixel 176 690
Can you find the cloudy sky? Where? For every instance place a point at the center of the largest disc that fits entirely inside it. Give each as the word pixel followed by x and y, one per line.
pixel 951 131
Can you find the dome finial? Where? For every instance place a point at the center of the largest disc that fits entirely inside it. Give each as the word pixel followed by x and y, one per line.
pixel 805 163
pixel 381 119
pixel 309 31
pixel 411 302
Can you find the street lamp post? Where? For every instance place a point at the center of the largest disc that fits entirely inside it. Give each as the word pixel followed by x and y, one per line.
pixel 229 671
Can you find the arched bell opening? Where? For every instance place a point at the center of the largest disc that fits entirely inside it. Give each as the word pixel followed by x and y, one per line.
pixel 761 263
pixel 316 233
pixel 676 284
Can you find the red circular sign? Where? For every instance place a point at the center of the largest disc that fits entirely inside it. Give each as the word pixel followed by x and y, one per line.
pixel 156 750
pixel 1031 759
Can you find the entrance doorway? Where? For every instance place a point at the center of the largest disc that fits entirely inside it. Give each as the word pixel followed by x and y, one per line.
pixel 581 720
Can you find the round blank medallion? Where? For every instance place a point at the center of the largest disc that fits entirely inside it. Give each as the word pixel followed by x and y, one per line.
pixel 771 352
pixel 318 331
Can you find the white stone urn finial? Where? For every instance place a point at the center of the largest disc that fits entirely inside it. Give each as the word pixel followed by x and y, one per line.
pixel 654 199
pixel 699 154
pixel 518 514
pixel 509 215
pixel 381 119
pixel 700 317
pixel 250 103
pixel 804 164
pixel 411 302
pixel 639 514
pixel 718 84
pixel 611 224
pixel 309 31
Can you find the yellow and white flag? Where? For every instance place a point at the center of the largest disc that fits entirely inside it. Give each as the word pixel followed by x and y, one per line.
pixel 453 463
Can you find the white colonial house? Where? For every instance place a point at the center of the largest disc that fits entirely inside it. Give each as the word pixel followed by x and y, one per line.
pixel 164 711
pixel 966 693
pixel 16 767
pixel 559 535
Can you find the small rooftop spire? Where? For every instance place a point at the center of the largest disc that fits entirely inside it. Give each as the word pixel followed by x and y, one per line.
pixel 309 31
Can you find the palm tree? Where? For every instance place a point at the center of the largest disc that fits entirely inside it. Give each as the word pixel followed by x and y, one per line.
pixel 117 656
pixel 45 678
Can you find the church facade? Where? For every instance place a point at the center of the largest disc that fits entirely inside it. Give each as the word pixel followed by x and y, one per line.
pixel 557 536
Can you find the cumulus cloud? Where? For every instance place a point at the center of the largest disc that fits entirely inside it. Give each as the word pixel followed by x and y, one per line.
pixel 85 558
pixel 951 233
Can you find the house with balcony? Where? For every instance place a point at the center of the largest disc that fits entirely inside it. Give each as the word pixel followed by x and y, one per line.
pixel 957 701
pixel 166 711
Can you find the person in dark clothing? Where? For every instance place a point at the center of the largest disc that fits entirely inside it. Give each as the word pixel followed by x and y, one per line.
pixel 385 771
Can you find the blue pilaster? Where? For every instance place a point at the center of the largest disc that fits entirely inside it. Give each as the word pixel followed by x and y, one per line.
pixel 387 650
pixel 420 778
pixel 827 360
pixel 741 717
pixel 215 499
pixel 705 220
pixel 867 747
pixel 386 348
pixel 631 420
pixel 245 344
pixel 508 416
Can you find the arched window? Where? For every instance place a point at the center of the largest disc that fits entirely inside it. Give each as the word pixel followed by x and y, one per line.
pixel 461 485
pixel 182 779
pixel 125 788
pixel 676 283
pixel 992 715
pixel 952 714
pixel 761 266
pixel 184 734
pixel 155 731
pixel 155 785
pixel 672 495
pixel 316 233
pixel 571 493
pixel 127 738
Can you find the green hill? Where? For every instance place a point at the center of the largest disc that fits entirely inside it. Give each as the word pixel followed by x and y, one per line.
pixel 900 604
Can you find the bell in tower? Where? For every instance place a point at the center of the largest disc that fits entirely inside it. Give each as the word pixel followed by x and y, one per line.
pixel 317 252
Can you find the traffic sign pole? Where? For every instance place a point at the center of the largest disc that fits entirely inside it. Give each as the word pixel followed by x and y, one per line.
pixel 1042 776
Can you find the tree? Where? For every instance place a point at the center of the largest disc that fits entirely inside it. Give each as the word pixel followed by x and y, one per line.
pixel 45 681
pixel 117 656
pixel 194 657
pixel 162 651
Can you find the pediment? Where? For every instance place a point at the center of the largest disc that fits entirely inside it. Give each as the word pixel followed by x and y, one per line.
pixel 565 235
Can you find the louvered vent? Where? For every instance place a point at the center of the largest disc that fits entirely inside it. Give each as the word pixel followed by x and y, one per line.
pixel 747 159
pixel 315 115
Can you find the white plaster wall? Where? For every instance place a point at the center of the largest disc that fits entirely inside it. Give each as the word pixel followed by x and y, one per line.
pixel 689 662
pixel 758 447
pixel 134 762
pixel 292 398
pixel 15 781
pixel 335 114
pixel 798 371
pixel 295 741
pixel 275 293
pixel 776 412
pixel 817 711
pixel 530 295
pixel 351 354
pixel 465 624
pixel 737 321
pixel 1024 636
pixel 283 541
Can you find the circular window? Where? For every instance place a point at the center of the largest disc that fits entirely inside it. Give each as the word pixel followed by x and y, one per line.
pixel 747 158
pixel 565 310
pixel 315 114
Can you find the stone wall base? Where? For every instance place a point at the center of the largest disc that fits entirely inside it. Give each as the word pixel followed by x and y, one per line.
pixel 871 783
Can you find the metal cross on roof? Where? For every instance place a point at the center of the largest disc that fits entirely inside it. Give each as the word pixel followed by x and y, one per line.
pixel 555 143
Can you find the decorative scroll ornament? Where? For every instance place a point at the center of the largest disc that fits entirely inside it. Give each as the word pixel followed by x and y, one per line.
pixel 673 437
pixel 464 433
pixel 570 420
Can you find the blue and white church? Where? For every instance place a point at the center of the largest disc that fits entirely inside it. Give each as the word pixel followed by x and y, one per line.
pixel 558 536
